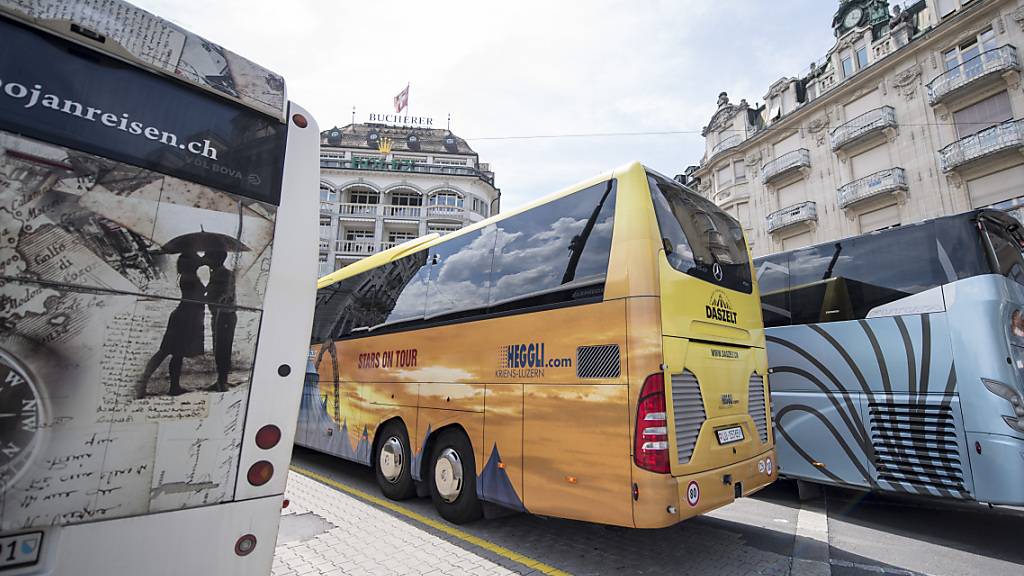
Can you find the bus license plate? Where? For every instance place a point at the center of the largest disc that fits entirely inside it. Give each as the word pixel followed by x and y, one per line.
pixel 730 435
pixel 20 549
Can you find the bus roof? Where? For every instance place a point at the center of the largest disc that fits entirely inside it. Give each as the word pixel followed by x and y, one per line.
pixel 430 240
pixel 140 38
pixel 994 214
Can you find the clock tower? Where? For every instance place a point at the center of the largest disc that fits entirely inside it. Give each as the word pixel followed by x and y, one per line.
pixel 860 13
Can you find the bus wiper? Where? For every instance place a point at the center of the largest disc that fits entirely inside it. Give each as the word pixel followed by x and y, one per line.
pixel 579 241
pixel 832 263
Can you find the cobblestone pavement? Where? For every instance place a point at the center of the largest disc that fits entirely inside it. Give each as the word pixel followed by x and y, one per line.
pixel 327 530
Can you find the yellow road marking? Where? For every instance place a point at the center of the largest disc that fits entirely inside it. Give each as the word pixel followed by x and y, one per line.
pixel 449 530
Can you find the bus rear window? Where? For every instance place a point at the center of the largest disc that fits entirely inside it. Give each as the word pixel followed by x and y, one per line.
pixel 700 239
pixel 1006 250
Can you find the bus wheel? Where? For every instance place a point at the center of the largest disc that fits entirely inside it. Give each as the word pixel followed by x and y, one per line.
pixel 393 465
pixel 453 478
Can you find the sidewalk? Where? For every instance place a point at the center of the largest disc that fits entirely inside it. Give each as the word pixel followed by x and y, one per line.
pixel 324 531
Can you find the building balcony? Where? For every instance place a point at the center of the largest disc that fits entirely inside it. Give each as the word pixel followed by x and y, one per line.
pixel 360 211
pixel 403 212
pixel 355 248
pixel 729 195
pixel 869 124
pixel 789 164
pixel 891 181
pixel 383 165
pixel 802 213
pixel 979 71
pixel 727 144
pixel 446 213
pixel 1008 136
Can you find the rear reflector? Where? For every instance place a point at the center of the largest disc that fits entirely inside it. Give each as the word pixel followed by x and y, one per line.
pixel 650 440
pixel 245 545
pixel 260 473
pixel 268 436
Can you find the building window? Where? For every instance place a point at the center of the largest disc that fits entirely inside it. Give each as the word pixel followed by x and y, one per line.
pixel 775 108
pixel 739 171
pixel 862 57
pixel 480 207
pixel 450 161
pixel 963 59
pixel 983 115
pixel 946 7
pixel 399 237
pixel 363 197
pixel 326 194
pixel 442 229
pixel 404 198
pixel 847 66
pixel 446 199
pixel 724 177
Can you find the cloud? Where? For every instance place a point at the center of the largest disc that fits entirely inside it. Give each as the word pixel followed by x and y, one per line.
pixel 528 67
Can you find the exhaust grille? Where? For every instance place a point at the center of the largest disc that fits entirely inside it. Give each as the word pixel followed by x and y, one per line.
pixel 756 403
pixel 598 361
pixel 916 446
pixel 688 407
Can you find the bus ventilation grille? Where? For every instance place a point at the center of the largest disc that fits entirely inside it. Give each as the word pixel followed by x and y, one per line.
pixel 688 407
pixel 916 446
pixel 598 361
pixel 756 406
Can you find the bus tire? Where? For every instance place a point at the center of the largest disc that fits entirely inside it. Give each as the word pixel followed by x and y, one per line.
pixel 452 478
pixel 392 464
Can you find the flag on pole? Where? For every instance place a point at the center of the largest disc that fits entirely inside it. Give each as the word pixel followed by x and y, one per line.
pixel 402 100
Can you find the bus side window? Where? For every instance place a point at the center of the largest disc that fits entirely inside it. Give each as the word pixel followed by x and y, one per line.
pixel 460 271
pixel 773 284
pixel 565 243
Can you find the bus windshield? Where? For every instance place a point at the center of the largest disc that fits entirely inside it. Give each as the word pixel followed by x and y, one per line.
pixel 700 239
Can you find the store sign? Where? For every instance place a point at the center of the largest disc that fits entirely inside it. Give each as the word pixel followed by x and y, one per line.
pixel 401 120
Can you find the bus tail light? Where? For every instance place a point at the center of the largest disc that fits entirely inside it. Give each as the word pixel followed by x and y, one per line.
pixel 260 473
pixel 650 440
pixel 1017 324
pixel 268 436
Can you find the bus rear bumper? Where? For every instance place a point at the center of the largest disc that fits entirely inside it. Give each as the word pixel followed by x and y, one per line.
pixel 192 541
pixel 998 468
pixel 706 491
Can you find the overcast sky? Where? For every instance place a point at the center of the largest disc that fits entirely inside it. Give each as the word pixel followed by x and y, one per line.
pixel 525 68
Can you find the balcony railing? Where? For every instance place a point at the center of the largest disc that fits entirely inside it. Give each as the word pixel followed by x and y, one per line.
pixel 325 244
pixel 884 182
pixel 382 165
pixel 984 65
pixel 407 212
pixel 359 210
pixel 446 212
pixel 730 142
pixel 786 164
pixel 355 247
pixel 803 212
pixel 1005 136
pixel 864 125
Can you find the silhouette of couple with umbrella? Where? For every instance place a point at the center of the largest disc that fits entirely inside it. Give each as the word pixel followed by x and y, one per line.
pixel 184 336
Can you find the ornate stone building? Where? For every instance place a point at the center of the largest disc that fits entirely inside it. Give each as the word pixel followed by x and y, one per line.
pixel 916 112
pixel 382 185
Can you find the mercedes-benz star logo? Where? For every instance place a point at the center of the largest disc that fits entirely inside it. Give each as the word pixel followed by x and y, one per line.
pixel 717 271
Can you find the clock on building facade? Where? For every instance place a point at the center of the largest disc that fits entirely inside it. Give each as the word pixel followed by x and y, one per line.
pixel 857 13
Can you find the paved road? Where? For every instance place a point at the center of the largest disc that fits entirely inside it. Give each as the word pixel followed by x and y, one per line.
pixel 753 536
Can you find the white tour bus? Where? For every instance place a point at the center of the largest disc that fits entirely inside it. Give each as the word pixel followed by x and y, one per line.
pixel 157 277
